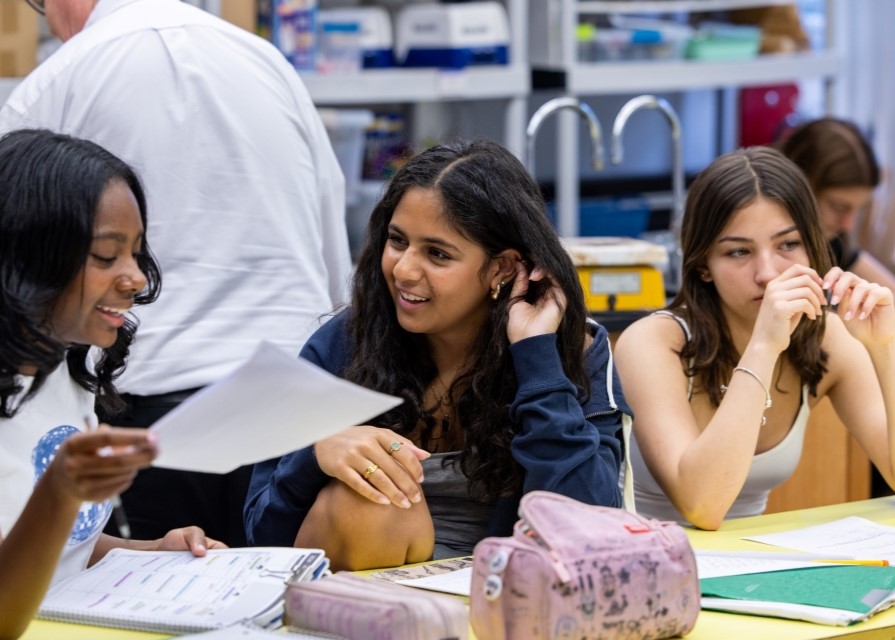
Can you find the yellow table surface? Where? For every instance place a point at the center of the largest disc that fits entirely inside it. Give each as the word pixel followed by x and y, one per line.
pixel 711 625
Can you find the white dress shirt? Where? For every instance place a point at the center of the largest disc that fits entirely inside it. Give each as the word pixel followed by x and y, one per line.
pixel 246 198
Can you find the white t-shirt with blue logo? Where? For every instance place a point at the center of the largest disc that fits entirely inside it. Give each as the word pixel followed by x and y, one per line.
pixel 28 442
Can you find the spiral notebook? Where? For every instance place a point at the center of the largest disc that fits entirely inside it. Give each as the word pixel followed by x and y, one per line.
pixel 175 592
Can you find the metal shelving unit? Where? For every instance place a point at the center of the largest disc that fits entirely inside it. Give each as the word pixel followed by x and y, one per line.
pixel 553 52
pixel 510 84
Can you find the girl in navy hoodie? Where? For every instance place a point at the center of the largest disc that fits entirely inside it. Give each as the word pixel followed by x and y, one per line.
pixel 465 305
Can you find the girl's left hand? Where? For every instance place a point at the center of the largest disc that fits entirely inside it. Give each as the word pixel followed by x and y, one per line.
pixel 540 317
pixel 187 539
pixel 866 308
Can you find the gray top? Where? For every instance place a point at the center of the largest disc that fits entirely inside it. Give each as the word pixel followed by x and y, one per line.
pixel 459 521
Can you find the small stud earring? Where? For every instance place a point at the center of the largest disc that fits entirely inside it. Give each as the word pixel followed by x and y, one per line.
pixel 495 293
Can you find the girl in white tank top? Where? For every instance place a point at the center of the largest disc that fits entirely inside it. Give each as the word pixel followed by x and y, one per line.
pixel 769 328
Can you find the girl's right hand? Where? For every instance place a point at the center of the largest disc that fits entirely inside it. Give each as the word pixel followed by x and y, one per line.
pixel 540 317
pixel 364 458
pixel 96 465
pixel 795 293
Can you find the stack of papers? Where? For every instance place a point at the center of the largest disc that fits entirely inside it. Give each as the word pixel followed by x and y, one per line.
pixel 837 595
pixel 838 579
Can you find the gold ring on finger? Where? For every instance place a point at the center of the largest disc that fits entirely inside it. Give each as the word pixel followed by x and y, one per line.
pixel 394 447
pixel 369 471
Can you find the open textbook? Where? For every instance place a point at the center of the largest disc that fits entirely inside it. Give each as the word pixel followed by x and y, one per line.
pixel 176 592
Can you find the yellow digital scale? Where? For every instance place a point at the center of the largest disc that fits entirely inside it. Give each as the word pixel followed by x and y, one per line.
pixel 619 274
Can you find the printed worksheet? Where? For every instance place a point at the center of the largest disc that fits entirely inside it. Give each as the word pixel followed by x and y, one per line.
pixel 716 564
pixel 176 591
pixel 853 537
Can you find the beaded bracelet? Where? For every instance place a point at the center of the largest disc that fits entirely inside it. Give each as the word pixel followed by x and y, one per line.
pixel 767 393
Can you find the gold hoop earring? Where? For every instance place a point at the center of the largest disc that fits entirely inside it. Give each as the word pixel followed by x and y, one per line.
pixel 495 293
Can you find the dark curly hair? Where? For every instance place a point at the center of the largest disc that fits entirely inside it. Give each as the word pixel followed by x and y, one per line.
pixel 490 199
pixel 50 187
pixel 731 182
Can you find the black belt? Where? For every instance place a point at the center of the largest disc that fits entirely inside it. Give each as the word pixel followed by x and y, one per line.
pixel 171 399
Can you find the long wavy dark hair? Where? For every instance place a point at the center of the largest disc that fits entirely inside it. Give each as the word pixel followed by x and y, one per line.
pixel 490 199
pixel 731 182
pixel 50 188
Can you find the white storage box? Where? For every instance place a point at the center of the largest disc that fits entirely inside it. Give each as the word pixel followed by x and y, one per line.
pixel 375 26
pixel 452 35
pixel 346 129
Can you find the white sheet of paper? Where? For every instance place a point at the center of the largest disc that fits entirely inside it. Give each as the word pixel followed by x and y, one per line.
pixel 272 404
pixel 717 564
pixel 457 582
pixel 853 536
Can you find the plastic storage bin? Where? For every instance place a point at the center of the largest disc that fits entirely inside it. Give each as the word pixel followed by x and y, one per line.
pixel 338 46
pixel 632 38
pixel 639 44
pixel 375 37
pixel 346 129
pixel 717 41
pixel 623 216
pixel 452 36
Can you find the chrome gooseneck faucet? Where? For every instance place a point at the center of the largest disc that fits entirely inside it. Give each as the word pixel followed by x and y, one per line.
pixel 677 169
pixel 677 160
pixel 549 108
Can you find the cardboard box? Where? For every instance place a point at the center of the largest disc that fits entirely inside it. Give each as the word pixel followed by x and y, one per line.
pixel 18 38
pixel 242 13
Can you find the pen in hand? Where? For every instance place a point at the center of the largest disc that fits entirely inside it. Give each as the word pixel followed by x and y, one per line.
pixel 124 527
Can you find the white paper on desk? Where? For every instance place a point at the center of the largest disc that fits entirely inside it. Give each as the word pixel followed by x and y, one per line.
pixel 458 583
pixel 718 564
pixel 807 612
pixel 272 404
pixel 246 631
pixel 853 536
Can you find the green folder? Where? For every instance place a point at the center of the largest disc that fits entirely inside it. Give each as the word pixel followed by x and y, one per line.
pixel 851 587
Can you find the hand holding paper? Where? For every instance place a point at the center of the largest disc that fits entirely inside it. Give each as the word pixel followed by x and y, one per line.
pixel 272 404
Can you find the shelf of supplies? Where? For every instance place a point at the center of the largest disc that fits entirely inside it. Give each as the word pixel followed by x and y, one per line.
pixel 605 78
pixel 374 86
pixel 669 6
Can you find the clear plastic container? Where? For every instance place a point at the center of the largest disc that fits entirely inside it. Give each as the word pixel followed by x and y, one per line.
pixel 339 47
pixel 612 45
pixel 346 129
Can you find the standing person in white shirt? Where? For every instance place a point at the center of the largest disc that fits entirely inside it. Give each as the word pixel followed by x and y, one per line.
pixel 246 202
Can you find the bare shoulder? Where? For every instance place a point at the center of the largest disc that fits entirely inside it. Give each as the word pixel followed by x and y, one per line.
pixel 651 333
